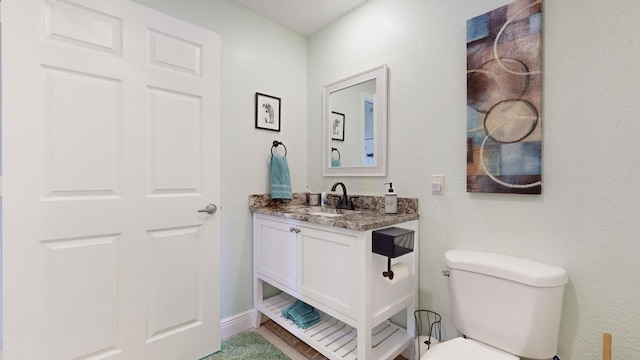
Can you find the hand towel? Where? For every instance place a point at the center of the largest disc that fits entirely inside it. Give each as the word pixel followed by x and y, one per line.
pixel 280 178
pixel 299 311
pixel 285 312
pixel 308 320
pixel 335 163
pixel 302 314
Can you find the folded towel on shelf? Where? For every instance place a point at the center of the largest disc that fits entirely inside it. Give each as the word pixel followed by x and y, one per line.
pixel 302 314
pixel 285 312
pixel 335 163
pixel 308 320
pixel 280 178
pixel 299 311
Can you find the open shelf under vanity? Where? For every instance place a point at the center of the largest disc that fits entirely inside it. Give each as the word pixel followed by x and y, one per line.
pixel 333 338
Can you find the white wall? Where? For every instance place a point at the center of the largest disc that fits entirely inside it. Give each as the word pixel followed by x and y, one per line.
pixel 257 56
pixel 586 220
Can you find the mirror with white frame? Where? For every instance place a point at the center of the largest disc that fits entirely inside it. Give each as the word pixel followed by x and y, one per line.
pixel 355 125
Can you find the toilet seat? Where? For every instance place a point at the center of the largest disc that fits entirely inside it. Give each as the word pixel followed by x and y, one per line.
pixel 464 349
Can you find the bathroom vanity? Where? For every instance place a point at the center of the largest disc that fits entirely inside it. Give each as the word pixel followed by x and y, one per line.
pixel 324 257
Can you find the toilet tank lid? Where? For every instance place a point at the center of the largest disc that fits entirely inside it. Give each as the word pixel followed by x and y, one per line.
pixel 525 271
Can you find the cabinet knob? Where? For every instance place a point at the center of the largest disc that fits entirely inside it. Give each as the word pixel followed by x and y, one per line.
pixel 294 229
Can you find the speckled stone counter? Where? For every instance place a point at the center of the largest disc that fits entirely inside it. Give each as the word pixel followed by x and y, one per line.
pixel 368 214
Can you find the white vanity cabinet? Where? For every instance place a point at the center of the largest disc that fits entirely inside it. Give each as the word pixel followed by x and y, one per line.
pixel 275 248
pixel 334 270
pixel 327 267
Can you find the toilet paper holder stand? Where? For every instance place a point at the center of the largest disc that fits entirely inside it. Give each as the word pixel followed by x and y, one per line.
pixel 389 273
pixel 392 242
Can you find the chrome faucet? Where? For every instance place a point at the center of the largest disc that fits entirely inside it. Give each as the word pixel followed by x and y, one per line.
pixel 344 202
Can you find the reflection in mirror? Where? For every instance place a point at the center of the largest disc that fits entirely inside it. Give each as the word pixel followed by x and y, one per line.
pixel 352 124
pixel 355 123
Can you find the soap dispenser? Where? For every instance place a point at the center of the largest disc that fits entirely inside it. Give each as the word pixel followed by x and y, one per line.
pixel 390 201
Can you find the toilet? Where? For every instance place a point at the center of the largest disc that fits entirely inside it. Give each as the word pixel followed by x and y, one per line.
pixel 506 307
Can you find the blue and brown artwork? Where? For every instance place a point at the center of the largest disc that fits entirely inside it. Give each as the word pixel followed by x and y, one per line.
pixel 504 100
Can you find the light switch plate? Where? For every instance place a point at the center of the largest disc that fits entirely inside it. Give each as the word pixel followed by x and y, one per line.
pixel 437 184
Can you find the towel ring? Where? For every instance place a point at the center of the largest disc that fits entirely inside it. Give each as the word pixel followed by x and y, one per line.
pixel 338 151
pixel 276 143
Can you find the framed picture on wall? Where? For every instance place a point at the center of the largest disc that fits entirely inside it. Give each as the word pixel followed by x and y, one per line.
pixel 267 112
pixel 337 126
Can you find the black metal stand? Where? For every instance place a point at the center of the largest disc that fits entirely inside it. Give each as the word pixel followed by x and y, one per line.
pixel 389 272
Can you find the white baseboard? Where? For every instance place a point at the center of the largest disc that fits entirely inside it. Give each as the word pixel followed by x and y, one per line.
pixel 236 324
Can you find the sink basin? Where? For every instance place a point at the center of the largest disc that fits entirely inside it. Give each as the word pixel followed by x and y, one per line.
pixel 327 214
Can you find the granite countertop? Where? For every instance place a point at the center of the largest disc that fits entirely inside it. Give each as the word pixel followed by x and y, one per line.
pixel 368 214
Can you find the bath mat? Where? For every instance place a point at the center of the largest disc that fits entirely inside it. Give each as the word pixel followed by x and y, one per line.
pixel 247 345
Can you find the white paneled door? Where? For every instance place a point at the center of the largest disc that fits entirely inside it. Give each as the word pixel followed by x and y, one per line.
pixel 111 148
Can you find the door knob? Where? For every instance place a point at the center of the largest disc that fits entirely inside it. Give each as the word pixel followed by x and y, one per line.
pixel 209 209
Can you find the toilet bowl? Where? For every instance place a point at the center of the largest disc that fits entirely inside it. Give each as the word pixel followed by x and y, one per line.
pixel 466 349
pixel 507 307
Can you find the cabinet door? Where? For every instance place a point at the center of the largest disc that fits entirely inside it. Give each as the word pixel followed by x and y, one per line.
pixel 276 251
pixel 329 269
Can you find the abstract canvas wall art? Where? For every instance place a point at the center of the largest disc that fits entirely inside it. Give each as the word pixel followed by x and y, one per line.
pixel 504 100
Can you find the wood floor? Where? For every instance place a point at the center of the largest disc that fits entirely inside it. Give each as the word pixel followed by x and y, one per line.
pixel 289 344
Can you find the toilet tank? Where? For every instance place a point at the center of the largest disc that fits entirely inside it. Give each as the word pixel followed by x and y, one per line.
pixel 510 303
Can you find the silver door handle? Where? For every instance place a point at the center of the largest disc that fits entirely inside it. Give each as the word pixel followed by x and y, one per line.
pixel 209 209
